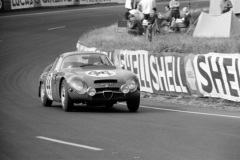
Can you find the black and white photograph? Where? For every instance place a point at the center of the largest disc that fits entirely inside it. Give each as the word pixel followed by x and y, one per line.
pixel 120 79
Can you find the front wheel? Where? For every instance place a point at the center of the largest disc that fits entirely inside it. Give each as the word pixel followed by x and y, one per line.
pixel 66 101
pixel 45 101
pixel 1 5
pixel 133 104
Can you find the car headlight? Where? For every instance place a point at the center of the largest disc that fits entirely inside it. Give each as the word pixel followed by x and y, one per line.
pixel 91 91
pixel 132 85
pixel 125 88
pixel 79 86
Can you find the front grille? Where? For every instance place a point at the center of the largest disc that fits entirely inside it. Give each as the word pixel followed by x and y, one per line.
pixel 116 89
pixel 104 96
pixel 106 81
pixel 107 94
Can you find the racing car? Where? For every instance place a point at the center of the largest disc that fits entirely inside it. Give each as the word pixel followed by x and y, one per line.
pixel 88 78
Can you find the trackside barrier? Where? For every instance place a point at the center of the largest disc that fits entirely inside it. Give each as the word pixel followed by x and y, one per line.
pixel 5 5
pixel 24 4
pixel 208 75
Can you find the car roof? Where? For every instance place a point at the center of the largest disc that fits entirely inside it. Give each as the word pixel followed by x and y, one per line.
pixel 66 54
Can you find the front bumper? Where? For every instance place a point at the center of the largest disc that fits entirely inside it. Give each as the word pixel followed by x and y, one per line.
pixel 103 96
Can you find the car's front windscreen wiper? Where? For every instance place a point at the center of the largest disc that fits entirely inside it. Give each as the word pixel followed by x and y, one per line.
pixel 84 65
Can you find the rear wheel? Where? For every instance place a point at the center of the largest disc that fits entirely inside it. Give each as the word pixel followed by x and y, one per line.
pixel 66 101
pixel 133 104
pixel 45 101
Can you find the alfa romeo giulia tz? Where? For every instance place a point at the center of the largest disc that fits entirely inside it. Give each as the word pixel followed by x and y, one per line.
pixel 88 78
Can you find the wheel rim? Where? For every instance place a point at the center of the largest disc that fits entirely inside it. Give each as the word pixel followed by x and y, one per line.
pixel 42 92
pixel 63 95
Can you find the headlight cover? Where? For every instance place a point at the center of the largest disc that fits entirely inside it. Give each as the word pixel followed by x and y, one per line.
pixel 91 91
pixel 125 89
pixel 78 85
pixel 132 84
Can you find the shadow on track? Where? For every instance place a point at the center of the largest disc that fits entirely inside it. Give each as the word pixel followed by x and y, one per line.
pixel 94 109
pixel 116 109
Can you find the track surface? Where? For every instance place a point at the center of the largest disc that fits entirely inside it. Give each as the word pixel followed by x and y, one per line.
pixel 31 41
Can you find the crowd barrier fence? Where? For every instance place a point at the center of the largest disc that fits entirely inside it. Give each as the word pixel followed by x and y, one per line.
pixel 203 75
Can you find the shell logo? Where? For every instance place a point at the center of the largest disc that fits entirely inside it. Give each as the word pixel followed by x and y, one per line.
pixel 100 73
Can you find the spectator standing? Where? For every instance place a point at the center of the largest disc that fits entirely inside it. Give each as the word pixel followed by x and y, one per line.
pixel 175 14
pixel 225 5
pixel 130 4
pixel 146 7
pixel 174 6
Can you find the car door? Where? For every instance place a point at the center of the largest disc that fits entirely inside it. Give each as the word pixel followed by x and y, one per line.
pixel 55 79
pixel 49 83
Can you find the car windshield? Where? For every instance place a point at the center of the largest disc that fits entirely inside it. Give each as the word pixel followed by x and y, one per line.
pixel 82 60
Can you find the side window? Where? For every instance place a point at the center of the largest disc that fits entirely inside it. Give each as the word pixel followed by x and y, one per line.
pixel 57 64
pixel 54 64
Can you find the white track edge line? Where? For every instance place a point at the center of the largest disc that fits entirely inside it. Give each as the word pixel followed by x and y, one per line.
pixel 201 113
pixel 69 143
pixel 191 112
pixel 56 28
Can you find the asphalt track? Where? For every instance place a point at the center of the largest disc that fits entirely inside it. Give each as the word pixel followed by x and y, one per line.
pixel 30 40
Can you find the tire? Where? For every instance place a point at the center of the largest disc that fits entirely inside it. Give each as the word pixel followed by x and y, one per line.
pixel 45 101
pixel 109 105
pixel 133 104
pixel 66 101
pixel 1 5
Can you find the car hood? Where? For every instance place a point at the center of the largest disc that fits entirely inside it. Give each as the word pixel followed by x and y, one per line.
pixel 91 75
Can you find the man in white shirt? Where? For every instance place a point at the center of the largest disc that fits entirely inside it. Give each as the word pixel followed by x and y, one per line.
pixel 130 4
pixel 136 14
pixel 146 6
pixel 135 18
